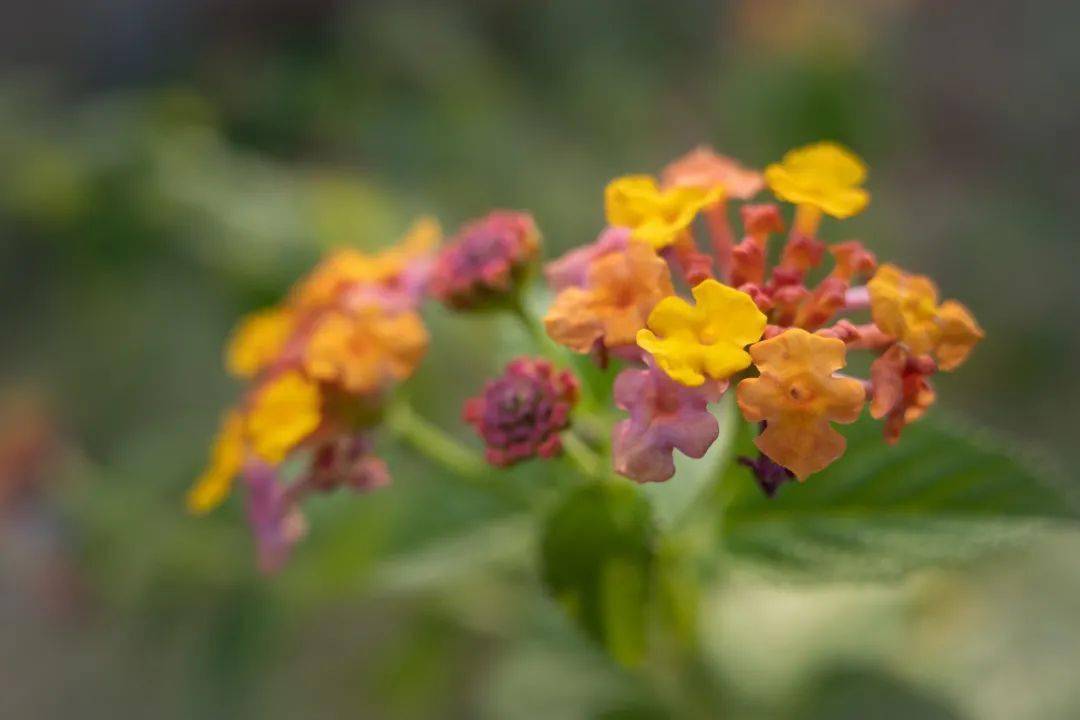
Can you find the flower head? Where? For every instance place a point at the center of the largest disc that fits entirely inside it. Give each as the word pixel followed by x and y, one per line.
pixel 521 413
pixel 655 216
pixel 664 416
pixel 258 340
pixel 284 412
pixel 905 306
pixel 824 175
pixel 797 395
pixel 621 290
pixel 694 342
pixel 365 350
pixel 703 168
pixel 484 259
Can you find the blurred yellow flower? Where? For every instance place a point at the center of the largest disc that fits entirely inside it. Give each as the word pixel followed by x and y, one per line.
pixel 365 349
pixel 905 306
pixel 694 342
pixel 825 176
pixel 284 412
pixel 655 216
pixel 257 341
pixel 213 486
pixel 797 395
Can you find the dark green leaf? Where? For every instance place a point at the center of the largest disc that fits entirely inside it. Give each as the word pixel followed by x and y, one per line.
pixel 939 496
pixel 598 561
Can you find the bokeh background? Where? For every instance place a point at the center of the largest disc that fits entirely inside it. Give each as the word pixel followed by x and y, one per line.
pixel 166 165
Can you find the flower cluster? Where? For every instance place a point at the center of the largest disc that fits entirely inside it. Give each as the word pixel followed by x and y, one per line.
pixel 685 321
pixel 618 294
pixel 319 368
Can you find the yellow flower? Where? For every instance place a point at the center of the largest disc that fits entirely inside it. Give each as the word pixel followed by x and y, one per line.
pixel 655 216
pixel 824 175
pixel 959 334
pixel 213 486
pixel 285 411
pixel 347 266
pixel 905 306
pixel 797 395
pixel 691 343
pixel 365 349
pixel 257 341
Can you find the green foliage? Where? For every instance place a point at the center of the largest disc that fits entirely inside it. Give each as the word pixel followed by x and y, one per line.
pixel 599 561
pixel 937 497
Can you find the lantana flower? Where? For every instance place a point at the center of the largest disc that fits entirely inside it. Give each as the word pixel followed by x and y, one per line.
pixel 226 458
pixel 664 416
pixel 902 392
pixel 283 412
pixel 703 168
pixel 365 350
pixel 274 516
pixel 258 340
pixel 822 177
pixel 485 259
pixel 906 307
pixel 658 217
pixel 621 289
pixel 692 343
pixel 521 413
pixel 798 395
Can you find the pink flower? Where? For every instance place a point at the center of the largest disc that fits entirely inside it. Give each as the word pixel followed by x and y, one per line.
pixel 664 416
pixel 572 269
pixel 521 413
pixel 276 522
pixel 485 259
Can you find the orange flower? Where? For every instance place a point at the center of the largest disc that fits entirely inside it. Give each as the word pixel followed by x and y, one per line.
pixel 905 306
pixel 621 289
pixel 703 168
pixel 365 349
pixel 345 267
pixel 798 396
pixel 258 340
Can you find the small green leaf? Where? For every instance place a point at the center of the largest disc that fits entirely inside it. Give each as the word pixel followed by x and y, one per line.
pixel 939 496
pixel 598 561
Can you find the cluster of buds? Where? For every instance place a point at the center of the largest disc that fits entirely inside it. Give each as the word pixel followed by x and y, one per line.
pixel 322 364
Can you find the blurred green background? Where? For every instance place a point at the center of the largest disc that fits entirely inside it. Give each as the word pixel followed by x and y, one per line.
pixel 166 166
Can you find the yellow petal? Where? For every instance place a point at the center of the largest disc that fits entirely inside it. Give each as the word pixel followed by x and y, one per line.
pixel 213 486
pixel 285 411
pixel 257 341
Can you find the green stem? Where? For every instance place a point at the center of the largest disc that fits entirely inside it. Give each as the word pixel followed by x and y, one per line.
pixel 581 455
pixel 433 443
pixel 532 327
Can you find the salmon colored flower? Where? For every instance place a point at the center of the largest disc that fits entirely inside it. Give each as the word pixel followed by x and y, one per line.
pixel 703 168
pixel 389 269
pixel 798 396
pixel 284 412
pixel 905 306
pixel 852 260
pixel 658 217
pixel 258 340
pixel 694 342
pixel 621 290
pixel 521 413
pixel 825 176
pixel 572 269
pixel 226 457
pixel 664 416
pixel 902 392
pixel 365 350
pixel 959 335
pixel 485 259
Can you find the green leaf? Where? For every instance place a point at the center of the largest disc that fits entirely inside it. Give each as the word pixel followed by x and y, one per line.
pixel 672 500
pixel 598 560
pixel 937 497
